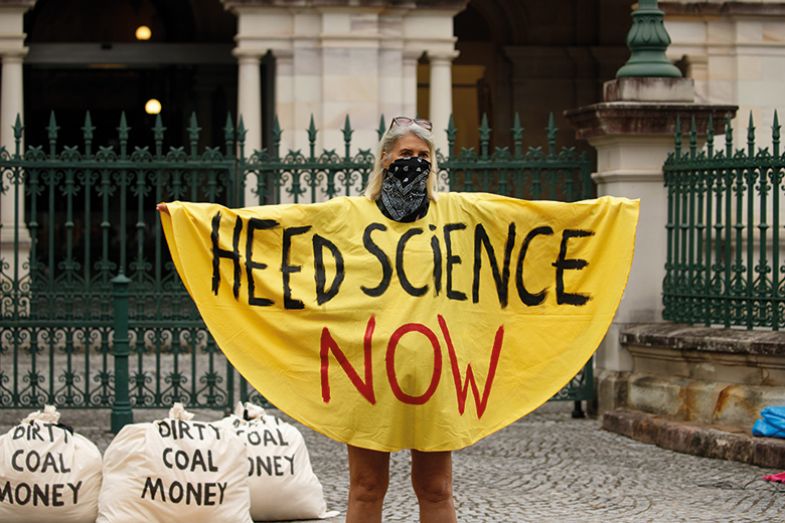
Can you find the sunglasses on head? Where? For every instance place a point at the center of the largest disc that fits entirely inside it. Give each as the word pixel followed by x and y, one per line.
pixel 403 121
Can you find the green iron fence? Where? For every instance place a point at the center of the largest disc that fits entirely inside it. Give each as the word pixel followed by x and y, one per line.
pixel 92 311
pixel 724 229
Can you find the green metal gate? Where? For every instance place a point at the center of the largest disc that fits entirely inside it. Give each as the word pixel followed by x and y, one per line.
pixel 84 260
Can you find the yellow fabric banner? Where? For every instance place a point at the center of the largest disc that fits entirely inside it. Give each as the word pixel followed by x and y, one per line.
pixel 427 335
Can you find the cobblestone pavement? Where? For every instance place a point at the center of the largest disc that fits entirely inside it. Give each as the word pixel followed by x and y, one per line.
pixel 546 467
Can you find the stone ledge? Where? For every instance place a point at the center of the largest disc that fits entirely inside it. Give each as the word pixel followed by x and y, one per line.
pixel 708 8
pixel 632 119
pixel 696 439
pixel 711 339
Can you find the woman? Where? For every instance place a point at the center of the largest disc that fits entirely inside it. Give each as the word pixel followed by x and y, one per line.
pixel 403 184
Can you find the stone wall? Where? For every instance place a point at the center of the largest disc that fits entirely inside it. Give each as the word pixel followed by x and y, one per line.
pixel 702 374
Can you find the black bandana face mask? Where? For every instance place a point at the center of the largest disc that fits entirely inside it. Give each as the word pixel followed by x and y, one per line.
pixel 404 188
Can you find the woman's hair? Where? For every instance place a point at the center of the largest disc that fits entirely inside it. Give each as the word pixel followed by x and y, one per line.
pixel 387 143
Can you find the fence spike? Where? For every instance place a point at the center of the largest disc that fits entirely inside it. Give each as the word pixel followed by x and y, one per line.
pixel 382 127
pixel 312 137
pixel 52 129
pixel 677 136
pixel 277 132
pixel 229 135
pixel 693 137
pixel 193 133
pixel 241 132
pixel 710 136
pixel 158 135
pixel 87 133
pixel 452 132
pixel 728 138
pixel 347 129
pixel 517 135
pixel 552 131
pixel 123 131
pixel 88 127
pixel 775 134
pixel 485 135
pixel 751 137
pixel 18 129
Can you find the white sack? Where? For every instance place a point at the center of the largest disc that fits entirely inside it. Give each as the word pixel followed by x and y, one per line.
pixel 175 470
pixel 47 472
pixel 283 485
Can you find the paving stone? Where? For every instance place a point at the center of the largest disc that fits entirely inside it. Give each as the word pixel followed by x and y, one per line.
pixel 546 467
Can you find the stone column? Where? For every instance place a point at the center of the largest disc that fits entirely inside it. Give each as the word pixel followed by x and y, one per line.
pixel 633 131
pixel 12 53
pixel 391 79
pixel 409 78
pixel 249 98
pixel 441 94
pixel 284 97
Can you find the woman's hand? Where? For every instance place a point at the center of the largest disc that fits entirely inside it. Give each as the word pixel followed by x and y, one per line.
pixel 161 207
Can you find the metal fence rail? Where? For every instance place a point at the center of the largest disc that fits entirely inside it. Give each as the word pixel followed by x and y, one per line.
pixel 724 229
pixel 86 258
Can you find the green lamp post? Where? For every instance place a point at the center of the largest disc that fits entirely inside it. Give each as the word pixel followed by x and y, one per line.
pixel 648 40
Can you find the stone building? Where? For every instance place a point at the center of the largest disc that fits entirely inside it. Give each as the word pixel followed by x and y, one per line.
pixel 329 59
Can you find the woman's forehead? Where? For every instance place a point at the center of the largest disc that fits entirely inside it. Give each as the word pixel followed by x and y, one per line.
pixel 411 141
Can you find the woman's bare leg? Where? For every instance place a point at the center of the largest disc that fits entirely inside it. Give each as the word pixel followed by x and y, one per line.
pixel 369 474
pixel 432 481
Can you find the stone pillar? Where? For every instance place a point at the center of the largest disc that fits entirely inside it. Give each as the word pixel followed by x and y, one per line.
pixel 441 95
pixel 249 98
pixel 12 53
pixel 307 70
pixel 431 30
pixel 391 94
pixel 409 78
pixel 284 99
pixel 633 131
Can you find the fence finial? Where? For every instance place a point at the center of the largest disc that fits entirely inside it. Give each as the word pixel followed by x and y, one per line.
pixel 775 135
pixel 312 137
pixel 728 138
pixel 52 129
pixel 382 127
pixel 193 134
pixel 677 136
pixel 485 135
pixel 751 137
pixel 452 132
pixel 241 132
pixel 552 131
pixel 158 135
pixel 277 132
pixel 347 137
pixel 18 128
pixel 87 133
pixel 710 136
pixel 123 131
pixel 229 135
pixel 693 137
pixel 517 135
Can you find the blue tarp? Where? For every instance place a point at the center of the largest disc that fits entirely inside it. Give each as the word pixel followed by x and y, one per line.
pixel 771 423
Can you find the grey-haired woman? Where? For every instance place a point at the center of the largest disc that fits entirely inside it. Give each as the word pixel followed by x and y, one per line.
pixel 403 184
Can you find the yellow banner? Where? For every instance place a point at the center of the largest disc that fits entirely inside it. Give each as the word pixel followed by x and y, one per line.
pixel 427 335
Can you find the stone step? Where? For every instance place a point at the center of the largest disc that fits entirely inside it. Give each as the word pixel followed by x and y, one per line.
pixel 711 441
